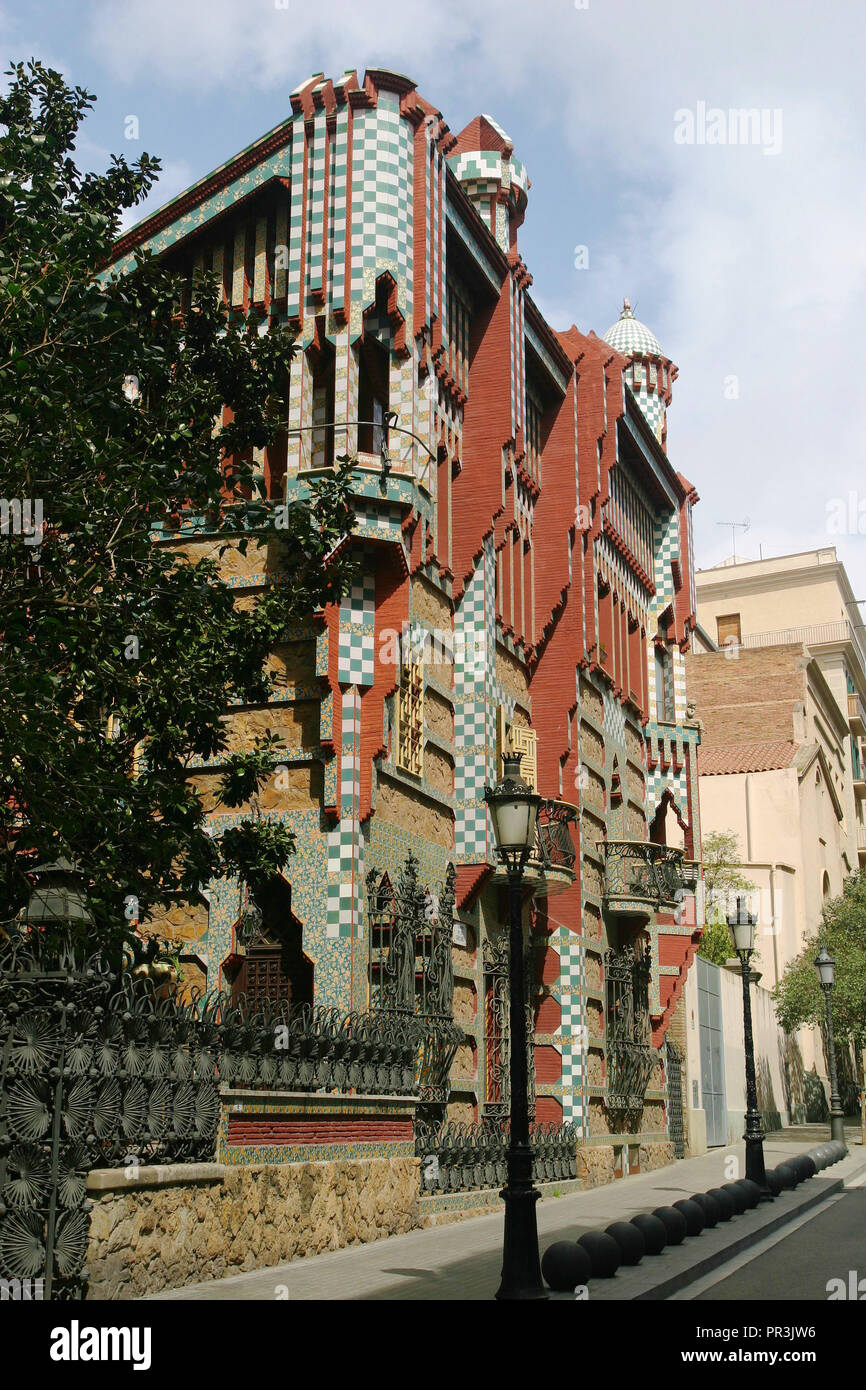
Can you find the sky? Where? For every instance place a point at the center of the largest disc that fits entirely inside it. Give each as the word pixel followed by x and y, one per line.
pixel 741 244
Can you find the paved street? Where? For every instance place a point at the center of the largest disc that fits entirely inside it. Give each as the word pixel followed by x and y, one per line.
pixel 827 1246
pixel 461 1261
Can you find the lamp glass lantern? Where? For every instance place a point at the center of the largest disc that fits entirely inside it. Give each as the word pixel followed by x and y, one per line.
pixel 825 964
pixel 514 812
pixel 741 925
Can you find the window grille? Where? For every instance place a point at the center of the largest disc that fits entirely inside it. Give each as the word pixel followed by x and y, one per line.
pixel 628 1028
pixel 410 716
pixel 511 738
pixel 497 1048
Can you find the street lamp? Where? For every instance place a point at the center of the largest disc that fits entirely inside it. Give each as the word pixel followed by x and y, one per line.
pixel 58 897
pixel 741 924
pixel 514 812
pixel 825 964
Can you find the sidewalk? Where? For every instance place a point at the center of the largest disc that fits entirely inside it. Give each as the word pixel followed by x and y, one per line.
pixel 462 1261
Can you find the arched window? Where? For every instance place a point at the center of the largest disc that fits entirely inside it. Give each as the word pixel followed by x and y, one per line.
pixel 274 966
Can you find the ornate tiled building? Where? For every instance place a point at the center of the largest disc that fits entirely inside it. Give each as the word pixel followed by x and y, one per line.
pixel 526 583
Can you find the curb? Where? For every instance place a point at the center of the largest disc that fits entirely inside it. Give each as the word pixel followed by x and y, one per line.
pixel 674 1282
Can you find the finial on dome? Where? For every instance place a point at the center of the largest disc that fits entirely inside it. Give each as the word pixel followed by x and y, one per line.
pixel 629 336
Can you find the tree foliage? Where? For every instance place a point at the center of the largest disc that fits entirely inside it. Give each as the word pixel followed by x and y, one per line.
pixel 117 653
pixel 799 997
pixel 722 881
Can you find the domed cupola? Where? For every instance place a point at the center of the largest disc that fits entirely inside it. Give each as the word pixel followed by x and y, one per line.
pixel 628 335
pixel 483 161
pixel 650 374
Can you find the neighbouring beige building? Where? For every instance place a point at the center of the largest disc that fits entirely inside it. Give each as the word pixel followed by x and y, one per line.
pixel 778 681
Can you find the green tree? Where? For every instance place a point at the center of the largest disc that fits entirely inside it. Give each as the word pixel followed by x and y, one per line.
pixel 798 995
pixel 722 881
pixel 96 619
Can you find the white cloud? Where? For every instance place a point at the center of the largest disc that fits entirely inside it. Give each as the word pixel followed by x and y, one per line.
pixel 745 264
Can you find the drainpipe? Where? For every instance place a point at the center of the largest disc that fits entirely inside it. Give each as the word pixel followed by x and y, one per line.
pixel 773 871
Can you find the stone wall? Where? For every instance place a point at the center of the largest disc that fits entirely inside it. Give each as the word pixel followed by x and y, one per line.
pixel 171 1226
pixel 597 1163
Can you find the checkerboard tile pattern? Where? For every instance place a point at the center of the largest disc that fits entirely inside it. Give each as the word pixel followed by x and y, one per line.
pixel 571 986
pixel 345 842
pixel 474 720
pixel 357 645
pixel 382 163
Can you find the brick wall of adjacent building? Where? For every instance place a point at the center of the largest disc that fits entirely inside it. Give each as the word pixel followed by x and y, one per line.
pixel 750 697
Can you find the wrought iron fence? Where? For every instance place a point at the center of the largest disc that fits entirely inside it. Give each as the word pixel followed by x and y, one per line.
pixel 107 1069
pixel 459 1157
pixel 311 1048
pixel 412 972
pixel 676 1117
pixel 95 1069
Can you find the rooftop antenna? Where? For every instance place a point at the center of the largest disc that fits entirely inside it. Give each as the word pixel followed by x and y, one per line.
pixel 735 526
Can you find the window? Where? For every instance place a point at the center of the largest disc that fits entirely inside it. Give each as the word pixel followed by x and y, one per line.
pixel 458 315
pixel 728 626
pixel 410 716
pixel 512 738
pixel 628 1027
pixel 533 434
pixel 373 394
pixel 323 372
pixel 274 967
pixel 664 685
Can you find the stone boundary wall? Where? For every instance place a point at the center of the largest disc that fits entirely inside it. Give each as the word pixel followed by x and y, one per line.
pixel 596 1163
pixel 161 1228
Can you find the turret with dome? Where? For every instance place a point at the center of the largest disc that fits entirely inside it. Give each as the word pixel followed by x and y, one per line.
pixel 650 373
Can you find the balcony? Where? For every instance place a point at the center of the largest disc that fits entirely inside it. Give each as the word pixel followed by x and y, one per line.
pixel 861 844
pixel 856 715
pixel 642 878
pixel 397 453
pixel 813 634
pixel 550 866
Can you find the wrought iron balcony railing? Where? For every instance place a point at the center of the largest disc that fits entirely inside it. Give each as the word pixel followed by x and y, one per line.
pixel 641 876
pixel 550 866
pixel 554 846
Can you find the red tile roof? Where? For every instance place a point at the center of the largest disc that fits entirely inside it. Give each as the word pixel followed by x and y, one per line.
pixel 745 757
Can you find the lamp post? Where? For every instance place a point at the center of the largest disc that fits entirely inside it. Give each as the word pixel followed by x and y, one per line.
pixel 825 964
pixel 741 924
pixel 514 812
